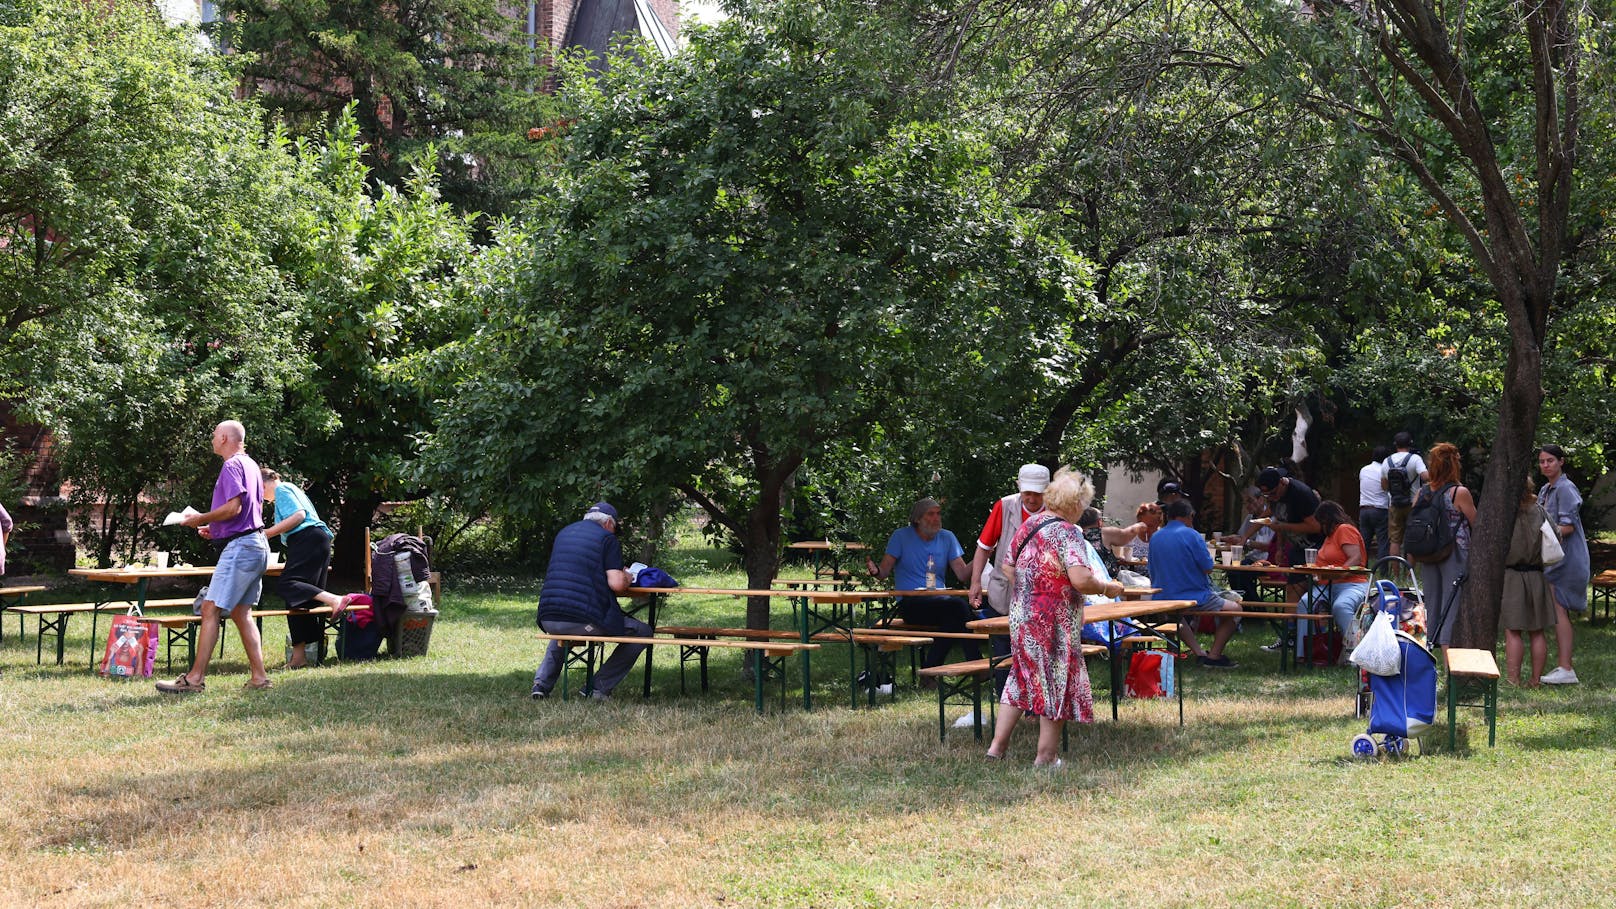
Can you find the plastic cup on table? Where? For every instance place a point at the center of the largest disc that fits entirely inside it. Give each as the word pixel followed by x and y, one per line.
pixel 162 561
pixel 1311 557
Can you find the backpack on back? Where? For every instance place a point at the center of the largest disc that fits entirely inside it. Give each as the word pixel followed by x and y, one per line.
pixel 1428 536
pixel 1399 483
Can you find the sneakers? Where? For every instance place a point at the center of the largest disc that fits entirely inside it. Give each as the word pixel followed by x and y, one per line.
pixel 966 721
pixel 1221 662
pixel 539 694
pixel 1275 647
pixel 1560 676
pixel 600 695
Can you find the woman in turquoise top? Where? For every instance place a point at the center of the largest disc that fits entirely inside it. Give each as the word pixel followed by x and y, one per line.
pixel 307 542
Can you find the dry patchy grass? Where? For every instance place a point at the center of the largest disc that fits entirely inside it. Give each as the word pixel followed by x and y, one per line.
pixel 436 782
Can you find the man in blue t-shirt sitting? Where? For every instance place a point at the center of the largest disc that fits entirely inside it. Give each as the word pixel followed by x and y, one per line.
pixel 916 557
pixel 1181 566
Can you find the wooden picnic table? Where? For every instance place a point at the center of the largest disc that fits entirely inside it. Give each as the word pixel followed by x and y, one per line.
pixel 817 611
pixel 140 578
pixel 818 550
pixel 1147 615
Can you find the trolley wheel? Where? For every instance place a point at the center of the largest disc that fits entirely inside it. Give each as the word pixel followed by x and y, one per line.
pixel 1363 746
pixel 1396 746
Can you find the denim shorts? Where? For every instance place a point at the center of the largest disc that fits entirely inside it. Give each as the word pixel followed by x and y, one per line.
pixel 1212 602
pixel 238 580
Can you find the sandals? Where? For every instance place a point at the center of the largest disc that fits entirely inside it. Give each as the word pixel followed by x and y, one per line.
pixel 265 685
pixel 182 685
pixel 342 607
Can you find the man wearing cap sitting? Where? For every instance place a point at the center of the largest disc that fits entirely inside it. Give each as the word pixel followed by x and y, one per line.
pixel 1181 566
pixel 916 557
pixel 579 596
pixel 1293 504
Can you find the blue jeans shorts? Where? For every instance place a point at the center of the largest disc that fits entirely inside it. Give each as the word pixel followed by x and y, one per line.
pixel 238 580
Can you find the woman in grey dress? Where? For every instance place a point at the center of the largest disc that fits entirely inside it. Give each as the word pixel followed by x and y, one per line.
pixel 1560 498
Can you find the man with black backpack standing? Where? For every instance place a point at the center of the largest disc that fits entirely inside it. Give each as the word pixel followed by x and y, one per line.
pixel 1403 472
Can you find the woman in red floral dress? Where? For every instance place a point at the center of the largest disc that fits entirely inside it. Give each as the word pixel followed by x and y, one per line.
pixel 1048 678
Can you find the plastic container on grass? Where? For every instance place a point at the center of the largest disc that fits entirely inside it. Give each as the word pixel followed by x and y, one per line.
pixel 415 633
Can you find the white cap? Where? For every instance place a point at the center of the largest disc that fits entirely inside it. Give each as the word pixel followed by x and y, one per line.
pixel 1033 478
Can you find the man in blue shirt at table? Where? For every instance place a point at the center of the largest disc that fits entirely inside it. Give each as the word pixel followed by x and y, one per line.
pixel 1182 567
pixel 579 596
pixel 915 558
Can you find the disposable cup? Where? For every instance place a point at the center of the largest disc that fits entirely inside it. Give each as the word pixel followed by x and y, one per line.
pixel 1311 556
pixel 162 560
pixel 1228 556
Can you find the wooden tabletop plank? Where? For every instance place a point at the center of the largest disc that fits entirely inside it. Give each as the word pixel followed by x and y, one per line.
pixel 1108 612
pixel 136 574
pixel 1476 663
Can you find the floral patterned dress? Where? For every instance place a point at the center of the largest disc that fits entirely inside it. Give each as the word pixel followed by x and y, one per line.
pixel 1047 675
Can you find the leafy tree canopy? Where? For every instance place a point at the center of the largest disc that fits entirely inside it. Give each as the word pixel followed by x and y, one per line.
pixel 745 254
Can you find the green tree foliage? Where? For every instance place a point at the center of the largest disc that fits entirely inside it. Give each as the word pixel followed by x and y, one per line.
pixel 378 283
pixel 745 255
pixel 141 208
pixel 1482 105
pixel 1224 232
pixel 448 85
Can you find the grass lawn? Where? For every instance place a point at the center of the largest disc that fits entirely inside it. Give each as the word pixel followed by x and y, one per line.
pixel 437 782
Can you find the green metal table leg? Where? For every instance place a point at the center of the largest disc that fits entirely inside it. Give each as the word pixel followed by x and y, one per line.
pixel 1491 710
pixel 807 687
pixel 1453 710
pixel 758 677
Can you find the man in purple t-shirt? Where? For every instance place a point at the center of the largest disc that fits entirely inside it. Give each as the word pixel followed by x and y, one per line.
pixel 235 525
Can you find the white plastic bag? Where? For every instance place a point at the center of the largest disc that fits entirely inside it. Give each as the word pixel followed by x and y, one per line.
pixel 1132 578
pixel 1553 552
pixel 1378 652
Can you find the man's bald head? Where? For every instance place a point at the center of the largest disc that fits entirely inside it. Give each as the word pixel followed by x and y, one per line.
pixel 229 437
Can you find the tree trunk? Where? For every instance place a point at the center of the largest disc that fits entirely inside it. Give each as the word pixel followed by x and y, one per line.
pixel 762 551
pixel 1508 466
pixel 654 530
pixel 348 548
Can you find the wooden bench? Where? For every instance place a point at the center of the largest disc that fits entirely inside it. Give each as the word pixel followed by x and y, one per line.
pixel 1604 592
pixel 20 594
pixel 769 655
pixel 1471 674
pixel 874 643
pixel 182 628
pixel 53 620
pixel 967 678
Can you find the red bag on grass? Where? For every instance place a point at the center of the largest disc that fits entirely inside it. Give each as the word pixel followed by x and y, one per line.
pixel 1326 648
pixel 1150 675
pixel 131 649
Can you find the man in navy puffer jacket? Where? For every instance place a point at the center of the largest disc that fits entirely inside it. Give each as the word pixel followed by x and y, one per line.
pixel 579 596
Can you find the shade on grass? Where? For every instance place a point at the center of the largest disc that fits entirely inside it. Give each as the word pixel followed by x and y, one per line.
pixel 436 781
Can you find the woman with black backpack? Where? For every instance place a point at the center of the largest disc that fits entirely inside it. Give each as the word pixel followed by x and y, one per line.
pixel 1451 508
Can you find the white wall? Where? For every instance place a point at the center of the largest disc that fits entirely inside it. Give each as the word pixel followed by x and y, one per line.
pixel 1123 493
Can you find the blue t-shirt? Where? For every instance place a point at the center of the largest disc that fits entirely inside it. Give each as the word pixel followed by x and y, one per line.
pixel 288 501
pixel 1179 563
pixel 909 572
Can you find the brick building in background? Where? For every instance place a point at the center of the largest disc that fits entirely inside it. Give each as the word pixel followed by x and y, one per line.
pixel 42 540
pixel 549 24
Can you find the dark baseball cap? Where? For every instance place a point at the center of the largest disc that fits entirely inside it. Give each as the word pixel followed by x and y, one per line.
pixel 604 508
